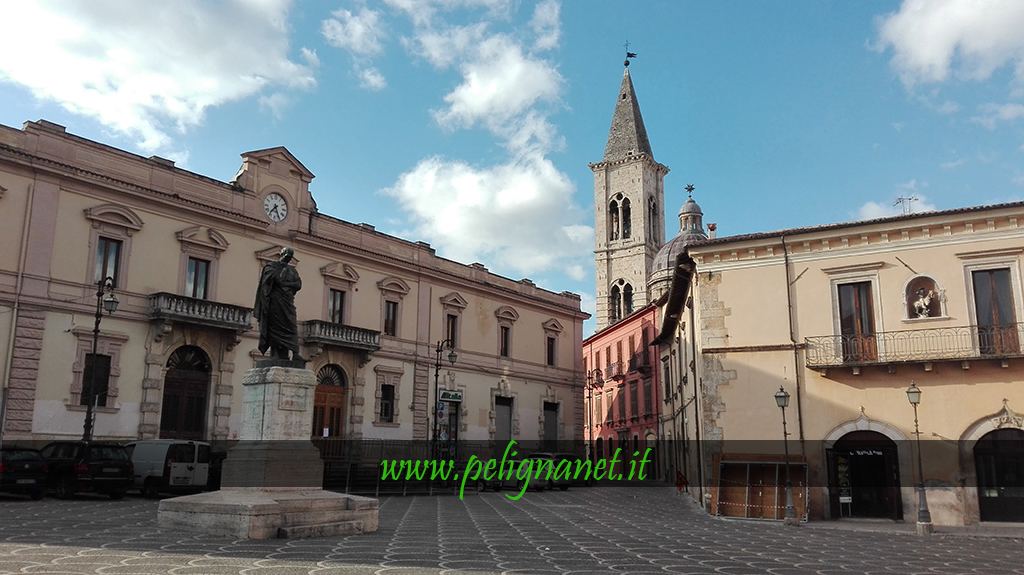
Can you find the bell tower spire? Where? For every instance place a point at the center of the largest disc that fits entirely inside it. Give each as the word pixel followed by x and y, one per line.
pixel 629 213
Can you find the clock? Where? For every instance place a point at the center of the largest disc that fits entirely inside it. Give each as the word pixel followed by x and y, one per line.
pixel 275 206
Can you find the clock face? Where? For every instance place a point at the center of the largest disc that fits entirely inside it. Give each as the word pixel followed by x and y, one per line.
pixel 276 207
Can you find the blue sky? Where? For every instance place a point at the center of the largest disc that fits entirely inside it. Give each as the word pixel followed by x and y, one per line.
pixel 469 124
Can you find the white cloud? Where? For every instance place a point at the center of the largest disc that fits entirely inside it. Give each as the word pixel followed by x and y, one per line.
pixel 275 103
pixel 310 57
pixel 422 12
pixel 500 82
pixel 546 25
pixel 898 126
pixel 992 113
pixel 954 164
pixel 147 69
pixel 372 79
pixel 442 48
pixel 930 38
pixel 518 215
pixel 919 203
pixel 361 34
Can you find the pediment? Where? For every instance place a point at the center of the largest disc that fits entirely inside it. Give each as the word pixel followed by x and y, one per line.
pixel 279 153
pixel 394 285
pixel 114 214
pixel 506 313
pixel 211 239
pixel 454 300
pixel 339 271
pixel 552 325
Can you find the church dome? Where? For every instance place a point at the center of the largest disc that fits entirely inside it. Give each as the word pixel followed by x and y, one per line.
pixel 690 207
pixel 691 230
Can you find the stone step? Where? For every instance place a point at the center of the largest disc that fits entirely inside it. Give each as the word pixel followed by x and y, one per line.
pixel 321 530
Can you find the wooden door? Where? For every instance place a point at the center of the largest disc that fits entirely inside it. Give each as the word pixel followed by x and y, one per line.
pixel 329 411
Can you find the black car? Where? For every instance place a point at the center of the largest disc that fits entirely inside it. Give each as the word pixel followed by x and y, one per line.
pixel 23 470
pixel 88 466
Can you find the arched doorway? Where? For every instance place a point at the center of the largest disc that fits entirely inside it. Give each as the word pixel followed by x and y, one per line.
pixel 864 476
pixel 186 388
pixel 329 402
pixel 999 458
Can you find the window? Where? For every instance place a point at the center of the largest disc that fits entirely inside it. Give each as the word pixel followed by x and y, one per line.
pixel 648 402
pixel 666 376
pixel 627 300
pixel 856 322
pixel 633 411
pixel 390 318
pixel 505 342
pixel 196 278
pixel 613 212
pixel 95 380
pixel 993 302
pixel 336 306
pixel 108 254
pixel 387 403
pixel 551 351
pixel 622 403
pixel 451 330
pixel 597 408
pixel 615 304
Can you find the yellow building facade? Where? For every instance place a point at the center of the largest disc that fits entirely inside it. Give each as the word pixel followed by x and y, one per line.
pixel 845 318
pixel 184 253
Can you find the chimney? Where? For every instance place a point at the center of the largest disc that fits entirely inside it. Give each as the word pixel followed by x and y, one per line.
pixel 712 231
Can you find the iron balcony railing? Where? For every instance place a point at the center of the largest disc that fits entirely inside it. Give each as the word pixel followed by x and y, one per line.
pixel 640 362
pixel 614 371
pixel 324 332
pixel 168 306
pixel 934 344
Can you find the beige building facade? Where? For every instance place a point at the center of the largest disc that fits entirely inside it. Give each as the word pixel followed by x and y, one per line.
pixel 184 252
pixel 845 318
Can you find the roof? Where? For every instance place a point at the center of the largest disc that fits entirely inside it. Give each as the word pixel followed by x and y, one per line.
pixel 857 224
pixel 627 136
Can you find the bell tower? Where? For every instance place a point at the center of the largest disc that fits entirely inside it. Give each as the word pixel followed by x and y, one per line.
pixel 629 211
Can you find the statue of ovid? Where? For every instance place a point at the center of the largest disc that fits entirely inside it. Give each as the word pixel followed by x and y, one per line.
pixel 275 308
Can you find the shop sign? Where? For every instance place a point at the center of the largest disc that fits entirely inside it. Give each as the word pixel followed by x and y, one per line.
pixel 453 396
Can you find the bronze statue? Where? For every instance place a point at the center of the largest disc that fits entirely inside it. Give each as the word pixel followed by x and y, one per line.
pixel 275 308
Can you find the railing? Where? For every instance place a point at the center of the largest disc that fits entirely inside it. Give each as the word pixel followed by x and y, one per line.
pixel 614 371
pixel 640 362
pixel 323 332
pixel 935 344
pixel 169 306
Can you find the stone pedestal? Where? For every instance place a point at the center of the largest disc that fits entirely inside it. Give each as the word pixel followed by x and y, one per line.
pixel 271 481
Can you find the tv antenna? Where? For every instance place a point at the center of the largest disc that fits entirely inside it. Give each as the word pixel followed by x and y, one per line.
pixel 908 208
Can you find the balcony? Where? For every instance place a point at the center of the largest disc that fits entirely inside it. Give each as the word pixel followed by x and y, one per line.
pixel 327 333
pixel 614 371
pixel 640 362
pixel 176 308
pixel 917 345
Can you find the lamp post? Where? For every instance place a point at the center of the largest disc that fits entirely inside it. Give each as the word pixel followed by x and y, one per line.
pixel 452 357
pixel 590 419
pixel 109 303
pixel 782 400
pixel 924 516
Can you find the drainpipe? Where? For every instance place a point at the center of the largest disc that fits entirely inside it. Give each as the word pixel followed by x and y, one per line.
pixel 797 372
pixel 696 396
pixel 4 391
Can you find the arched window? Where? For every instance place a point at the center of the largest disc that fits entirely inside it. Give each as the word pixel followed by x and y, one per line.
pixel 613 216
pixel 652 217
pixel 627 224
pixel 627 300
pixel 615 304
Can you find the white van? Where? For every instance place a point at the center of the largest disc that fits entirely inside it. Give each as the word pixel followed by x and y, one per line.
pixel 169 465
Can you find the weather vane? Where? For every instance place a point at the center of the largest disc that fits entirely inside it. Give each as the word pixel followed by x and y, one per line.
pixel 689 190
pixel 628 54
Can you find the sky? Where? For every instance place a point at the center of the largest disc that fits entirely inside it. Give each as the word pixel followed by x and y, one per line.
pixel 470 124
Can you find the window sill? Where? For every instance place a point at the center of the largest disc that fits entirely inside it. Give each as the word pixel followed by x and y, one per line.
pixel 386 424
pixel 97 409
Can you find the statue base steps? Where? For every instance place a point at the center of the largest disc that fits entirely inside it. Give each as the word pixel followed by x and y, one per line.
pixel 271 513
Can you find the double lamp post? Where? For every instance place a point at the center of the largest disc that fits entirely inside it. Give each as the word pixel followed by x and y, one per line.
pixel 452 358
pixel 109 303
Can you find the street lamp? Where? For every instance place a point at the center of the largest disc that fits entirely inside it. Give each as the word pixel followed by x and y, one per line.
pixel 782 400
pixel 109 303
pixel 924 517
pixel 590 419
pixel 452 357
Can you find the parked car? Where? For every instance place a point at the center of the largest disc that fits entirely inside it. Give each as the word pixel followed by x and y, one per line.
pixel 583 478
pixel 23 470
pixel 169 465
pixel 88 466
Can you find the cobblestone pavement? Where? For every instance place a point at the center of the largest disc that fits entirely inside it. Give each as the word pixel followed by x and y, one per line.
pixel 582 531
